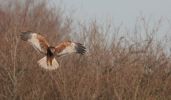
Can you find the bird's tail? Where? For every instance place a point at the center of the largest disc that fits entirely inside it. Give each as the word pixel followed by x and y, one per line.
pixel 48 65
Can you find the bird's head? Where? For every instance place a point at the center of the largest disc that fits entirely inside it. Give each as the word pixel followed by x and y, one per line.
pixel 51 49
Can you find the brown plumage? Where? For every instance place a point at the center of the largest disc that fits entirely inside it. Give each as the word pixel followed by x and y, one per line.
pixel 62 46
pixel 41 45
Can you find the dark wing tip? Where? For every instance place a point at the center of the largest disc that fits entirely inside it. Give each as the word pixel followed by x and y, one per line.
pixel 25 32
pixel 80 48
pixel 25 35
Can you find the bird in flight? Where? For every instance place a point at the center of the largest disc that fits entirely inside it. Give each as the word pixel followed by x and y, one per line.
pixel 41 45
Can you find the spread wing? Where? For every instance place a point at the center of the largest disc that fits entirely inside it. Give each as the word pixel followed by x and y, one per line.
pixel 69 47
pixel 36 40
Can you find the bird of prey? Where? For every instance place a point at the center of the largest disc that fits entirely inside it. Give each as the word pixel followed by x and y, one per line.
pixel 41 45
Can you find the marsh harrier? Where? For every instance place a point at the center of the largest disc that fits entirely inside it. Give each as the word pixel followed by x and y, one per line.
pixel 41 45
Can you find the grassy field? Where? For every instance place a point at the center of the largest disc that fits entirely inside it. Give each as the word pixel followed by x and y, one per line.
pixel 115 66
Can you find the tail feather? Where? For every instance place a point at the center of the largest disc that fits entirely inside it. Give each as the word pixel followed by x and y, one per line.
pixel 43 63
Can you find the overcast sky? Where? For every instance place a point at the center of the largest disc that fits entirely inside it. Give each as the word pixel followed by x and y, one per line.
pixel 124 11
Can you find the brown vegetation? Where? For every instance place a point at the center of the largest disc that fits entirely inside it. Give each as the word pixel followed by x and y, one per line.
pixel 114 68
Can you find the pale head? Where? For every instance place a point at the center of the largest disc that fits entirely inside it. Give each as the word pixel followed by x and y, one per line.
pixel 52 49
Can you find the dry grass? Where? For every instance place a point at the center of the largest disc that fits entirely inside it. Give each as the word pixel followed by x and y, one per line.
pixel 114 68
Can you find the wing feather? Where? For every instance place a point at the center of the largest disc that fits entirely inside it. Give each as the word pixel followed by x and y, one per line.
pixel 69 47
pixel 43 43
pixel 36 40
